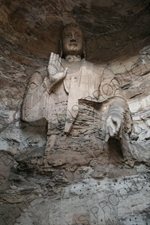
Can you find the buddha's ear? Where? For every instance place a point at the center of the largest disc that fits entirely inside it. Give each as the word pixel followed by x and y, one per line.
pixel 60 48
pixel 84 52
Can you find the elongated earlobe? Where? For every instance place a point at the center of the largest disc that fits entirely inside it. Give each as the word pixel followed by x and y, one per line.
pixel 84 52
pixel 60 49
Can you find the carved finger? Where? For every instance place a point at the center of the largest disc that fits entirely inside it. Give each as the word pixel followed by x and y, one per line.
pixel 107 134
pixel 117 128
pixel 55 61
pixel 111 131
pixel 117 124
pixel 65 71
pixel 56 56
pixel 59 63
pixel 50 58
pixel 52 64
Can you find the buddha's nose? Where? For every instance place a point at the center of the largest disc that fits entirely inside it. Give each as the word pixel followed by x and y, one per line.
pixel 73 37
pixel 72 40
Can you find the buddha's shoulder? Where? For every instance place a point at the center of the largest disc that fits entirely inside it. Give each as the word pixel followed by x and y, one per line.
pixel 99 68
pixel 41 69
pixel 41 72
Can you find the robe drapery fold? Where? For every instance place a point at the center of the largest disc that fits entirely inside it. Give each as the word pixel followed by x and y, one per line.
pixel 90 83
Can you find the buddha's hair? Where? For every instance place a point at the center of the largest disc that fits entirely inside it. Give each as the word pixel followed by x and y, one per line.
pixel 71 25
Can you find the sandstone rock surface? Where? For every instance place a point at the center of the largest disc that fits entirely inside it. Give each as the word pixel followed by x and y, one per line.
pixel 92 190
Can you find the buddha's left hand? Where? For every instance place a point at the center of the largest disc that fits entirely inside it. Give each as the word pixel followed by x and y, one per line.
pixel 113 125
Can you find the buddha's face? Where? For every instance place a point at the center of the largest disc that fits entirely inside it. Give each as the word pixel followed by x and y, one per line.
pixel 72 41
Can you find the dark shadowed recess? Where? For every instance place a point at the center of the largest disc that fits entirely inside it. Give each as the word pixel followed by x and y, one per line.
pixel 30 30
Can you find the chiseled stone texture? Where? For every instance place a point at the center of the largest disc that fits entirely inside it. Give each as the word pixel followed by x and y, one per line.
pixel 93 191
pixel 122 201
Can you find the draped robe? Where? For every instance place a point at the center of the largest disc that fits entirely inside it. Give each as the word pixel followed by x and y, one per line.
pixel 76 111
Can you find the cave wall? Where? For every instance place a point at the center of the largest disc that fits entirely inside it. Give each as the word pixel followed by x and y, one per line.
pixel 92 192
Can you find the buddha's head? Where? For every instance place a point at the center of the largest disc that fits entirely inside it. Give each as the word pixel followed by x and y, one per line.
pixel 72 41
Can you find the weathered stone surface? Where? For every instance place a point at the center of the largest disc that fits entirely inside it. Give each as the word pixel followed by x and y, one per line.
pixel 93 189
pixel 107 201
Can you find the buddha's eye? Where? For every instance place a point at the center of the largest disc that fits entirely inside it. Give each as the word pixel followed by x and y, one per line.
pixel 78 35
pixel 66 35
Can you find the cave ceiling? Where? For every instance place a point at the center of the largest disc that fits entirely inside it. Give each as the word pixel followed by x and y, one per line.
pixel 30 30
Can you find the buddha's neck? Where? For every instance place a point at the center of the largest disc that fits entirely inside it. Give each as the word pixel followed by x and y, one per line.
pixel 73 63
pixel 73 58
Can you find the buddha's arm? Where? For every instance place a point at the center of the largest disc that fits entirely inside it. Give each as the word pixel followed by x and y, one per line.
pixel 35 100
pixel 118 119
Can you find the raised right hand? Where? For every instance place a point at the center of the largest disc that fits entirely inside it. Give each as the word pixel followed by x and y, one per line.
pixel 55 69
